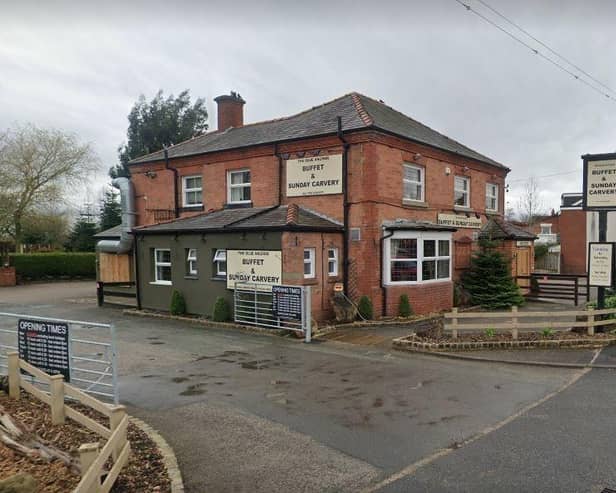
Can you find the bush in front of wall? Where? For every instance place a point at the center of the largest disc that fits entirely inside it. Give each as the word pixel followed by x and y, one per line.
pixel 178 303
pixel 54 265
pixel 222 310
pixel 405 309
pixel 364 307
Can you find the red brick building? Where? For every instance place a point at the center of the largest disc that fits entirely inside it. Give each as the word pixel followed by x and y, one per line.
pixel 402 202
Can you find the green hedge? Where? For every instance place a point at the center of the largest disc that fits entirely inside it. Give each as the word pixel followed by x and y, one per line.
pixel 56 265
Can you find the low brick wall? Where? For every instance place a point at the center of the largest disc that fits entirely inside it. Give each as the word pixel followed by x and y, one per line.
pixel 8 276
pixel 412 343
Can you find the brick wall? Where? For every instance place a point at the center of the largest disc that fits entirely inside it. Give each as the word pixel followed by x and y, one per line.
pixel 7 276
pixel 322 285
pixel 572 226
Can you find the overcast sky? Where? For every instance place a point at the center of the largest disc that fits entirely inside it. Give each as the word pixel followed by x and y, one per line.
pixel 80 68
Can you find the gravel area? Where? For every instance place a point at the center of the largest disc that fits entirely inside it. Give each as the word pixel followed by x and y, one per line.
pixel 145 470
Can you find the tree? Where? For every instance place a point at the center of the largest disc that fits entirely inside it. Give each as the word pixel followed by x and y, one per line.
pixel 159 123
pixel 111 212
pixel 489 280
pixel 81 237
pixel 531 203
pixel 46 229
pixel 38 167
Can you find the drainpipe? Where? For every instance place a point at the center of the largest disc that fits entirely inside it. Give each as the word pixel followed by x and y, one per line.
pixel 127 202
pixel 346 206
pixel 176 207
pixel 383 287
pixel 279 173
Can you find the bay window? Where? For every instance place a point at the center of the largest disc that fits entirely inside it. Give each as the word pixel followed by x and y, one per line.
pixel 411 257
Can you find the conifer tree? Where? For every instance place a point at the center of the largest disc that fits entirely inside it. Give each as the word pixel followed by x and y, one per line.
pixel 489 280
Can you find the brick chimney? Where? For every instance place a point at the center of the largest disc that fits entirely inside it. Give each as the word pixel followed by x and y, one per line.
pixel 230 110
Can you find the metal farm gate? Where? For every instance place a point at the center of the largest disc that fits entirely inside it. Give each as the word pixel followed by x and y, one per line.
pixel 92 358
pixel 273 307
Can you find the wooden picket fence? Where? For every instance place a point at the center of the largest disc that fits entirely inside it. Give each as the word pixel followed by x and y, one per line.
pixel 92 457
pixel 455 321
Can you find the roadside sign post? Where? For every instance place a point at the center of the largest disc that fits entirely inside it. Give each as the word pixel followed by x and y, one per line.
pixel 599 194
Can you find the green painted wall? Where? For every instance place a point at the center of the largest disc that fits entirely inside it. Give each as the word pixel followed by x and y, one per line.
pixel 200 292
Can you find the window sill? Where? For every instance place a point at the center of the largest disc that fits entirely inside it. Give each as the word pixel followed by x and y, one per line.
pixel 217 278
pixel 310 281
pixel 161 283
pixel 463 208
pixel 192 208
pixel 192 278
pixel 334 279
pixel 417 283
pixel 415 203
pixel 238 205
pixel 492 212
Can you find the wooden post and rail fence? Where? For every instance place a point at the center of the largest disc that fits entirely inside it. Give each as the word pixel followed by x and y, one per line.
pixel 92 457
pixel 589 319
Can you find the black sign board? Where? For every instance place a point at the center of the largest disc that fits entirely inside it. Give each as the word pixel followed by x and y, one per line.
pixel 45 345
pixel 287 302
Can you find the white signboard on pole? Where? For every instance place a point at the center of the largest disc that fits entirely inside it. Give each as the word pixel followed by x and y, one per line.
pixel 600 264
pixel 315 175
pixel 600 184
pixel 263 267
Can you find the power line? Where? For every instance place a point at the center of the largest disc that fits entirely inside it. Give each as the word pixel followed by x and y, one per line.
pixel 554 52
pixel 562 173
pixel 534 50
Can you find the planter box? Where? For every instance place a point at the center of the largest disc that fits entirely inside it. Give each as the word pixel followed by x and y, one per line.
pixel 7 276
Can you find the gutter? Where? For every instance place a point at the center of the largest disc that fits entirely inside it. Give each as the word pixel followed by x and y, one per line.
pixel 176 206
pixel 346 207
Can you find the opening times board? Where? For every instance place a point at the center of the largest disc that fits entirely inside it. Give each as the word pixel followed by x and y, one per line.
pixel 45 345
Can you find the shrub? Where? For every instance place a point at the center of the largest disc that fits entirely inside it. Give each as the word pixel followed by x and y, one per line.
pixel 405 309
pixel 489 280
pixel 364 307
pixel 55 265
pixel 222 310
pixel 490 332
pixel 178 303
pixel 547 332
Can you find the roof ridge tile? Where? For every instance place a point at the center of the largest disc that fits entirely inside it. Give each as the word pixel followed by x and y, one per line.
pixel 361 111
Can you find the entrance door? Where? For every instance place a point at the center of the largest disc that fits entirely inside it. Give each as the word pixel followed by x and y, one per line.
pixel 523 266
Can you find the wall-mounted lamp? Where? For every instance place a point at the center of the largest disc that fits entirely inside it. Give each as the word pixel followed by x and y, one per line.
pixel 285 155
pixel 465 169
pixel 243 236
pixel 447 171
pixel 150 174
pixel 300 154
pixel 296 241
pixel 203 238
pixel 417 156
pixel 467 214
pixel 263 235
pixel 316 152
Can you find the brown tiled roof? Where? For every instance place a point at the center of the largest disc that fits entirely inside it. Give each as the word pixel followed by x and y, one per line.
pixel 282 218
pixel 499 229
pixel 358 112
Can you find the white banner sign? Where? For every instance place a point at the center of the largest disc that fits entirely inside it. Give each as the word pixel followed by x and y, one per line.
pixel 458 221
pixel 316 175
pixel 600 181
pixel 600 256
pixel 254 267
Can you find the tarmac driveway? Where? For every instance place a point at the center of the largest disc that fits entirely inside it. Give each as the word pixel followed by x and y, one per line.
pixel 248 412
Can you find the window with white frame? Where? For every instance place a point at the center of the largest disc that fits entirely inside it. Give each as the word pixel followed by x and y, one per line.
pixel 191 262
pixel 162 266
pixel 193 191
pixel 309 271
pixel 332 262
pixel 220 262
pixel 413 182
pixel 491 197
pixel 546 229
pixel 238 183
pixel 412 257
pixel 461 191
